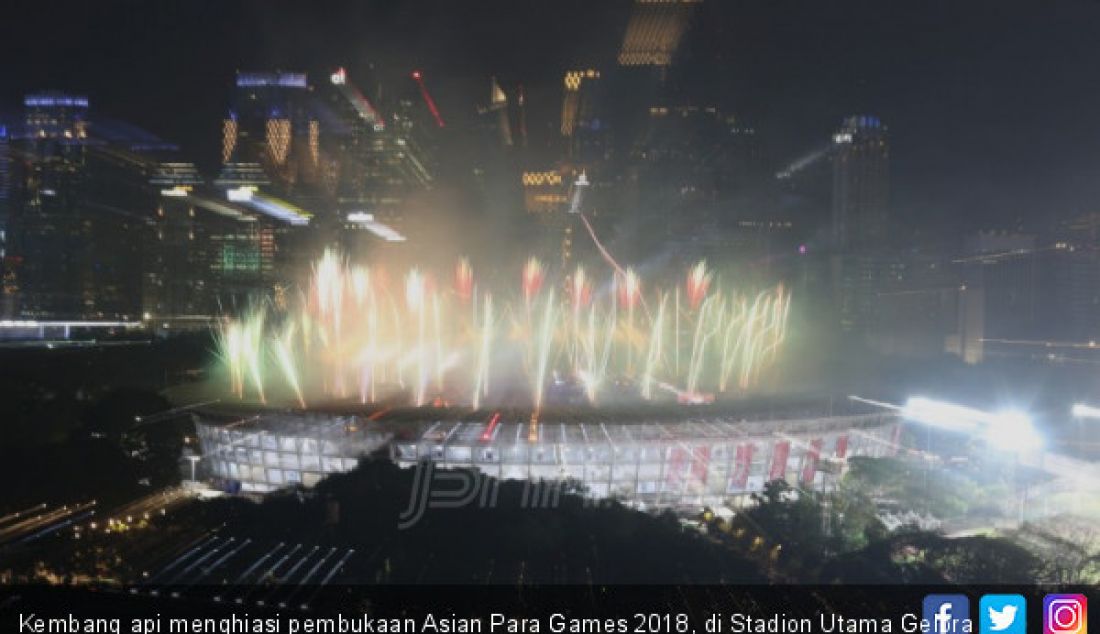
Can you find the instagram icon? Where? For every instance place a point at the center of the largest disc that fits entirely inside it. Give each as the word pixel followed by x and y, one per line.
pixel 1065 614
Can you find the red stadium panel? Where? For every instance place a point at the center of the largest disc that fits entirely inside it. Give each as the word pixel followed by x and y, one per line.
pixel 779 460
pixel 809 464
pixel 841 447
pixel 678 464
pixel 742 464
pixel 699 464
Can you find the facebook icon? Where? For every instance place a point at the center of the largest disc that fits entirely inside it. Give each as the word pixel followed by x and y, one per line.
pixel 946 614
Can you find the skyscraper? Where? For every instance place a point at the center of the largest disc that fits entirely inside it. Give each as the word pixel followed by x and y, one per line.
pixel 508 106
pixel 861 264
pixel 270 125
pixel 861 185
pixel 381 152
pixel 104 221
pixel 654 31
pixel 53 268
pixel 6 293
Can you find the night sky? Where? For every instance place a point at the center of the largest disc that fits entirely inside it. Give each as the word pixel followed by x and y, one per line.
pixel 993 107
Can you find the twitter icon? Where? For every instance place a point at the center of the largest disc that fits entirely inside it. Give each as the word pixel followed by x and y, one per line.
pixel 1002 614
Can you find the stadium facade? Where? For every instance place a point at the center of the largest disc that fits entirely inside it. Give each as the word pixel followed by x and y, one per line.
pixel 266 452
pixel 686 462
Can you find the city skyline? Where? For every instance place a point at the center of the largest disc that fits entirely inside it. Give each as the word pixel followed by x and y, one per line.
pixel 304 305
pixel 965 154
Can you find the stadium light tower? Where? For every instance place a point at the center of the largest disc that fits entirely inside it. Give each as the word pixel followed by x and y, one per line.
pixel 1082 410
pixel 1009 430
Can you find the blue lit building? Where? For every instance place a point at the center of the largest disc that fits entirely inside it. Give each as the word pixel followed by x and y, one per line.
pixel 101 220
pixel 7 304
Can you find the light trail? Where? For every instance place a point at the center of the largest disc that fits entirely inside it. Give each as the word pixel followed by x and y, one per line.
pixel 287 578
pixel 599 246
pixel 259 562
pixel 198 562
pixel 53 528
pixel 172 413
pixel 10 517
pixel 1037 343
pixel 487 435
pixel 418 77
pixel 18 529
pixel 269 573
pixel 221 560
pixel 328 577
pixel 202 543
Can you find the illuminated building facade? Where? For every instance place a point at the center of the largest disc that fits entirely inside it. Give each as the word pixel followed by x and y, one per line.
pixel 860 221
pixel 268 125
pixel 273 167
pixel 384 152
pixel 654 30
pixel 589 149
pixel 105 222
pixel 586 134
pixel 546 191
pixel 686 463
pixel 679 464
pixel 507 112
pixel 56 115
pixel 270 452
pixel 861 184
pixel 52 241
pixel 204 255
pixel 7 276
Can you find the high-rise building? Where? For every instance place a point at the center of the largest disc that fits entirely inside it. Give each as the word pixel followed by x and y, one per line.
pixel 203 254
pixel 507 112
pixel 861 185
pixel 586 134
pixel 7 305
pixel 271 124
pixel 1035 296
pixel 106 222
pixel 654 30
pixel 53 268
pixel 56 115
pixel 860 262
pixel 684 172
pixel 383 152
pixel 1006 268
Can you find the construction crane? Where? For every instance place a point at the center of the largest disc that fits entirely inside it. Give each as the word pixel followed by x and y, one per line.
pixel 418 77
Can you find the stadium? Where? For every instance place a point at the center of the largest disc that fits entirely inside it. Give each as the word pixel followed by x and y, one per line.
pixel 656 402
pixel 654 457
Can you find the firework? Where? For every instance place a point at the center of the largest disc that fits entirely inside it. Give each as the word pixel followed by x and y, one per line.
pixel 532 279
pixel 349 336
pixel 698 281
pixel 464 280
